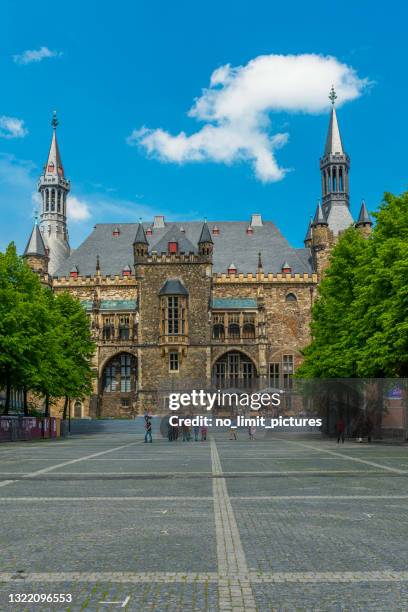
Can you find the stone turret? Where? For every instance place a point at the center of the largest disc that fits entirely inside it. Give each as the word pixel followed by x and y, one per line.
pixel 364 223
pixel 54 189
pixel 205 243
pixel 35 253
pixel 140 244
pixel 321 240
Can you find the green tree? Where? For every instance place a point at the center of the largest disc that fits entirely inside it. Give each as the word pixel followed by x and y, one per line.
pixel 331 353
pixel 22 321
pixel 360 321
pixel 45 340
pixel 381 304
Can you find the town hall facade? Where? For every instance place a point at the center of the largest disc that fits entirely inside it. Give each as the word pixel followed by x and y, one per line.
pixel 173 305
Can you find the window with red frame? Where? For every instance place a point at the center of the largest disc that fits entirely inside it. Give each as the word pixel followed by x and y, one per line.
pixel 173 247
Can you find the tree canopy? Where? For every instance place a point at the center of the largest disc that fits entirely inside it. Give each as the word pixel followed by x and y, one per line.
pixel 45 340
pixel 360 319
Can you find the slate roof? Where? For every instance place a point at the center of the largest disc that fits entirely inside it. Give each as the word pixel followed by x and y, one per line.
pixel 205 235
pixel 140 235
pixel 35 244
pixel 333 142
pixel 364 217
pixel 231 244
pixel 173 287
pixel 233 303
pixel 339 218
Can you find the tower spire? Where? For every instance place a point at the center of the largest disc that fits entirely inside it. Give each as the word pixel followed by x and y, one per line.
pixel 334 168
pixel 54 188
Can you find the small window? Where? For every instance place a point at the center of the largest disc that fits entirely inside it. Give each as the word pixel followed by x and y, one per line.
pixel 78 410
pixel 51 167
pixel 174 361
pixel 288 371
pixel 125 402
pixel 291 297
pixel 173 247
pixel 274 375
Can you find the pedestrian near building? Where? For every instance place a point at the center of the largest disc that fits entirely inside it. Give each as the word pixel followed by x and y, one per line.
pixel 203 433
pixel 340 427
pixel 148 429
pixel 196 430
pixel 233 430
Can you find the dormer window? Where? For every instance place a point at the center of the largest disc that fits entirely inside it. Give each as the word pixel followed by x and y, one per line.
pixel 51 167
pixel 127 271
pixel 149 231
pixel 74 272
pixel 232 269
pixel 286 268
pixel 249 230
pixel 216 230
pixel 116 232
pixel 173 247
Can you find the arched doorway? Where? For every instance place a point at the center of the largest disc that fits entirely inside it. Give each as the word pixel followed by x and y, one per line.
pixel 118 385
pixel 234 369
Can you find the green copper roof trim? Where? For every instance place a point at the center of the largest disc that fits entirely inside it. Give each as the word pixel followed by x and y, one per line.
pixel 111 304
pixel 233 303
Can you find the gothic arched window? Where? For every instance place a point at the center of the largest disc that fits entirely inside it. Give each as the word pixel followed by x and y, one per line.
pixel 248 331
pixel 341 182
pixel 233 331
pixel 59 201
pixel 291 297
pixel 52 200
pixel 47 200
pixel 218 331
pixel 109 382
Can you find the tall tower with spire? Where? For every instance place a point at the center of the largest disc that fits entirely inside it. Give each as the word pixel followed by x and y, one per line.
pixel 334 167
pixel 54 188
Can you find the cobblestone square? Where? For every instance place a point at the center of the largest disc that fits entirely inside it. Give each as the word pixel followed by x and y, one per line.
pixel 279 523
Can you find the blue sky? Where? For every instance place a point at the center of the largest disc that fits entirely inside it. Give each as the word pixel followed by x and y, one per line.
pixel 111 69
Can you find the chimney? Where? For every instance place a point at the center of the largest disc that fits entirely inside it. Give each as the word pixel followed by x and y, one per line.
pixel 256 220
pixel 158 222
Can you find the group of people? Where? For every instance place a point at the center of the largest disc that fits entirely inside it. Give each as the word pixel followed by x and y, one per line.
pixel 173 433
pixel 233 432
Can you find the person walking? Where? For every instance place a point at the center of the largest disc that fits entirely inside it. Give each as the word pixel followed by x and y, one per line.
pixel 148 428
pixel 204 433
pixel 186 433
pixel 196 430
pixel 340 427
pixel 233 430
pixel 252 432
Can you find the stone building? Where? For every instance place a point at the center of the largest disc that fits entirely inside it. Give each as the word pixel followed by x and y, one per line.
pixel 172 304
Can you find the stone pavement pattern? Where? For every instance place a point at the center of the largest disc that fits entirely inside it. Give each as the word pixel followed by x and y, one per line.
pixel 281 523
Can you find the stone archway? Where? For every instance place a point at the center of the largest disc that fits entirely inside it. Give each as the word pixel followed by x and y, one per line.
pixel 234 369
pixel 118 386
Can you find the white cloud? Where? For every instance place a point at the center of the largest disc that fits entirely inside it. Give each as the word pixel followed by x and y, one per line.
pixel 11 127
pixel 35 55
pixel 77 210
pixel 236 109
